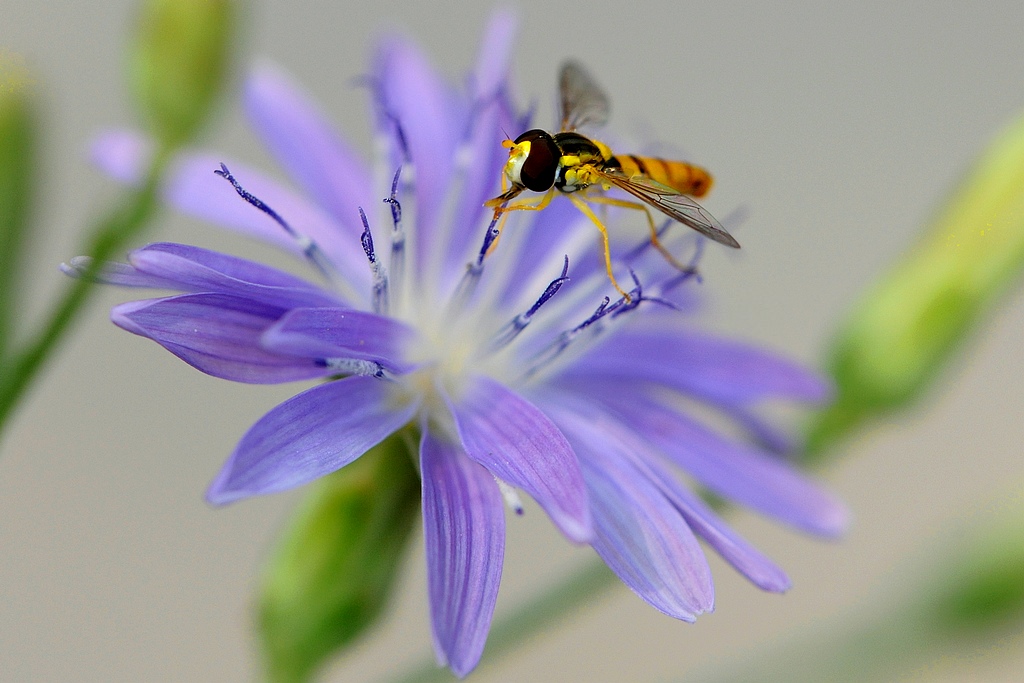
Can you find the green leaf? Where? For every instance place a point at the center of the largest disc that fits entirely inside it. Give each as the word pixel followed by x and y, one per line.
pixel 17 184
pixel 180 63
pixel 334 569
pixel 911 323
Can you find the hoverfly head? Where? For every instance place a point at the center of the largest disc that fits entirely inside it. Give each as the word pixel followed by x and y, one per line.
pixel 532 160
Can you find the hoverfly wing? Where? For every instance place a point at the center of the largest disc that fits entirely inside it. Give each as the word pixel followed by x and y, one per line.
pixel 676 206
pixel 583 101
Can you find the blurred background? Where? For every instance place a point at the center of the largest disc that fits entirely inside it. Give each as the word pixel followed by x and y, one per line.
pixel 841 127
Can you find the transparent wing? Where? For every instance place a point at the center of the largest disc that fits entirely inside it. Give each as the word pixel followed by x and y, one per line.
pixel 674 205
pixel 583 101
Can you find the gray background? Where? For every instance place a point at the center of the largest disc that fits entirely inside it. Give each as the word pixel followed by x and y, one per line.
pixel 840 126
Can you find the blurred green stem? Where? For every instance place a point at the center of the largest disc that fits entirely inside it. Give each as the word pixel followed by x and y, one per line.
pixel 18 177
pixel 110 235
pixel 514 629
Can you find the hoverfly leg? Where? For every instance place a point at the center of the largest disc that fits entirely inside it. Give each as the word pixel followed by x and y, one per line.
pixel 589 213
pixel 655 241
pixel 502 210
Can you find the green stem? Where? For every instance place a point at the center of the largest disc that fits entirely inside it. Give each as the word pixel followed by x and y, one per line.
pixel 110 235
pixel 514 629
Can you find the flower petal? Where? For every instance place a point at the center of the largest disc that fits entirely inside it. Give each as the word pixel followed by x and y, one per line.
pixel 218 334
pixel 309 435
pixel 734 549
pixel 416 98
pixel 518 443
pixel 630 447
pixel 736 472
pixel 481 175
pixel 119 274
pixel 202 270
pixel 639 533
pixel 340 333
pixel 495 54
pixel 303 141
pixel 718 369
pixel 464 534
pixel 122 154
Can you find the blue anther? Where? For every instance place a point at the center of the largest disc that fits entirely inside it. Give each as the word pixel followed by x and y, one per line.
pixel 511 330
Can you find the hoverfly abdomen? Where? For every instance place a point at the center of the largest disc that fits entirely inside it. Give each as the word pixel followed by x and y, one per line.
pixel 678 175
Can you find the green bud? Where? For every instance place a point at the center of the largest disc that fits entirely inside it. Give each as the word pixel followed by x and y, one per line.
pixel 907 327
pixel 953 605
pixel 334 568
pixel 17 183
pixel 984 588
pixel 180 63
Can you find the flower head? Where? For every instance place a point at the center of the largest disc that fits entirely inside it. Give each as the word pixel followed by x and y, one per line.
pixel 522 370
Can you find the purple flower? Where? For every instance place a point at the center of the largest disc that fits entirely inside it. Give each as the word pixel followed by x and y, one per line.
pixel 518 370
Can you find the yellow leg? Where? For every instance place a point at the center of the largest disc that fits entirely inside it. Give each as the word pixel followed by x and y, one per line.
pixel 589 213
pixel 625 204
pixel 497 238
pixel 503 212
pixel 527 206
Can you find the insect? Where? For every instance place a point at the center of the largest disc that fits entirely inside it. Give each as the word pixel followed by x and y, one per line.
pixel 572 163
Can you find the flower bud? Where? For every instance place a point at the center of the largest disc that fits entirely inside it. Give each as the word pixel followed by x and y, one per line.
pixel 335 565
pixel 180 63
pixel 908 326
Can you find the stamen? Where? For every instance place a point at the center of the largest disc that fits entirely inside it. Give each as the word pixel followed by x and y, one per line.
pixel 493 232
pixel 380 275
pixel 397 261
pixel 471 278
pixel 512 329
pixel 605 309
pixel 511 496
pixel 310 249
pixel 691 269
pixel 351 366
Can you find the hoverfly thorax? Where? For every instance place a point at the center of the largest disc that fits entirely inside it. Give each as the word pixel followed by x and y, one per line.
pixel 533 161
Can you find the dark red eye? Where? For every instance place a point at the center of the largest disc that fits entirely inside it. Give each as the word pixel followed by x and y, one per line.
pixel 541 164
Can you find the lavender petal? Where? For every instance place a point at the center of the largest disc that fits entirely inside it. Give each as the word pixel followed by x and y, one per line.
pixel 495 54
pixel 118 274
pixel 734 549
pixel 309 435
pixel 302 140
pixel 736 472
pixel 718 369
pixel 464 534
pixel 340 333
pixel 417 100
pixel 519 444
pixel 217 334
pixel 202 270
pixel 640 535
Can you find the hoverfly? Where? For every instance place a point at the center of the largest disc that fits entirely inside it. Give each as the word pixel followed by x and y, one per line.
pixel 570 163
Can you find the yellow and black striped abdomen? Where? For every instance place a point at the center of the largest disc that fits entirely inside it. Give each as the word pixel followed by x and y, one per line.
pixel 679 175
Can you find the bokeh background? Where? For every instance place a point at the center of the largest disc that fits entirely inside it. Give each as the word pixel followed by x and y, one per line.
pixel 840 125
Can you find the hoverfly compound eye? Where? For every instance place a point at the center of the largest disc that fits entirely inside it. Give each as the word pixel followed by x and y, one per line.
pixel 533 161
